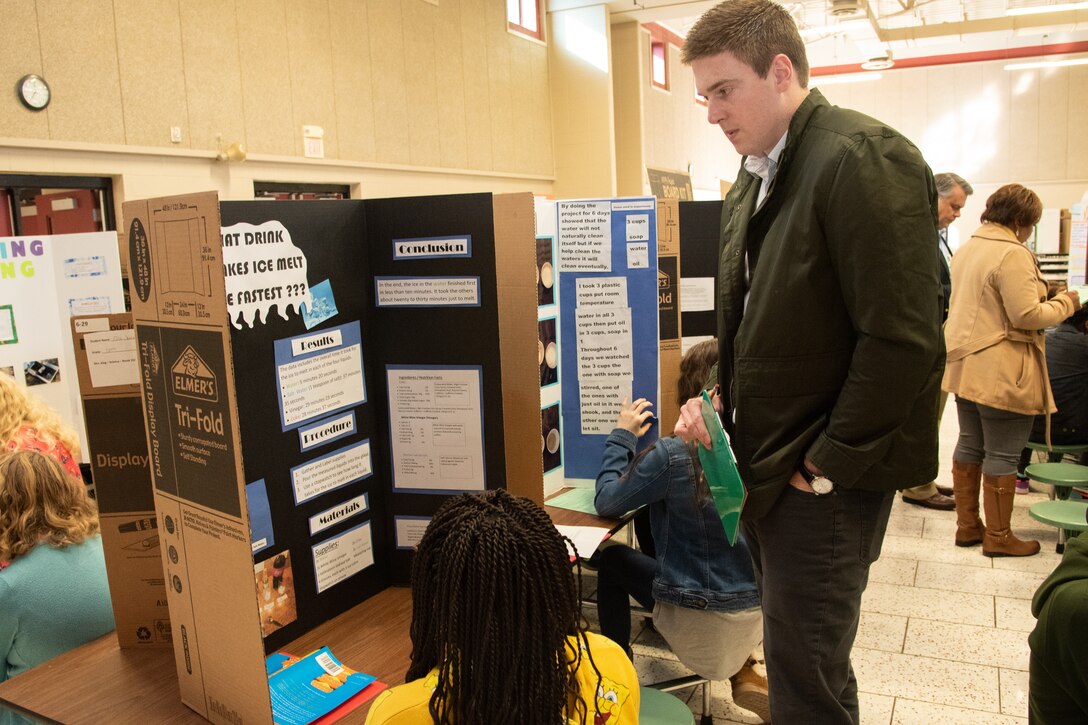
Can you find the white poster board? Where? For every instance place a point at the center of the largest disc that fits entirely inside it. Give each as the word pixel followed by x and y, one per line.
pixel 43 282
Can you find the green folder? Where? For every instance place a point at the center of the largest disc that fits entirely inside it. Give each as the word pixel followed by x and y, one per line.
pixel 721 472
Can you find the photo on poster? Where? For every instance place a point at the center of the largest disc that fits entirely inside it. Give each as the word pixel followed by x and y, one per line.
pixel 545 271
pixel 275 592
pixel 550 438
pixel 547 353
pixel 42 372
pixel 9 335
pixel 321 307
pixel 437 440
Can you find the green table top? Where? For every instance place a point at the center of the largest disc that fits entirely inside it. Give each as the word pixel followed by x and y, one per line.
pixel 1062 514
pixel 1058 474
pixel 662 708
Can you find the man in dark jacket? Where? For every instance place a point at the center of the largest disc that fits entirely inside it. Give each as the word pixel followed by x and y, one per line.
pixel 952 193
pixel 831 355
pixel 1058 678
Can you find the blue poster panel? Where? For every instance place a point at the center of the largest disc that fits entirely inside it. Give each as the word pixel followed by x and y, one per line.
pixel 608 320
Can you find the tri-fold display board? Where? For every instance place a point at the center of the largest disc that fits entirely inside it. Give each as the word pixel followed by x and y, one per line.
pixel 317 378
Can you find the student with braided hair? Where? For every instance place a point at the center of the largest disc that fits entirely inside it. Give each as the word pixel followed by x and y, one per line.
pixel 497 629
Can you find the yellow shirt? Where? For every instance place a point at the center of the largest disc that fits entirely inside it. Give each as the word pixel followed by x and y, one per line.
pixel 617 698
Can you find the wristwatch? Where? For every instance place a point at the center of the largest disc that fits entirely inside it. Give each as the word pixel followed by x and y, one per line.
pixel 820 484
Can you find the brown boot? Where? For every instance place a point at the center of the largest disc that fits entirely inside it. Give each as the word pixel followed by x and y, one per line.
pixel 966 479
pixel 997 495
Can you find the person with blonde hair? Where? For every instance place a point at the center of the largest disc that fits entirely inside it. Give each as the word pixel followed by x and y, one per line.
pixel 53 592
pixel 27 423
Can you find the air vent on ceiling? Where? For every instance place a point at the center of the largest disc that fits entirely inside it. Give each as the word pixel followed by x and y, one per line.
pixel 845 8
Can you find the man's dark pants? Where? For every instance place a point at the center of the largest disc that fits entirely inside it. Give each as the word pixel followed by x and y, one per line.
pixel 812 556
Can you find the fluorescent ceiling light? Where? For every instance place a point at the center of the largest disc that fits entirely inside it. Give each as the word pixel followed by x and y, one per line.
pixel 1046 64
pixel 1036 9
pixel 849 78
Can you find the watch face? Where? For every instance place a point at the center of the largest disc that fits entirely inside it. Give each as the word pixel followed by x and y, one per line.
pixel 34 92
pixel 822 485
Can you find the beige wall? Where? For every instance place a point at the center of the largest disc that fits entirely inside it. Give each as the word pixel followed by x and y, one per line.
pixel 581 89
pixel 413 97
pixel 673 130
pixel 987 124
pixel 630 50
pixel 678 134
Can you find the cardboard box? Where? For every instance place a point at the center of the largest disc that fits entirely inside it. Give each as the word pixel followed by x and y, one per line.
pixel 668 301
pixel 105 356
pixel 291 355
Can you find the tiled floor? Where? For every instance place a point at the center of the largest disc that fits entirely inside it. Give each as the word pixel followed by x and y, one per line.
pixel 943 634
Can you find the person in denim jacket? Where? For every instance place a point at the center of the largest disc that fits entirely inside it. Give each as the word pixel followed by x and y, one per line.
pixel 702 590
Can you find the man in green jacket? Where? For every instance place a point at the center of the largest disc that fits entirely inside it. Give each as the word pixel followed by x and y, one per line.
pixel 831 356
pixel 1058 680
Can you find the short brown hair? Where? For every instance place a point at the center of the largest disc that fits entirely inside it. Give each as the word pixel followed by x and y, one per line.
pixel 1013 206
pixel 695 368
pixel 755 31
pixel 41 503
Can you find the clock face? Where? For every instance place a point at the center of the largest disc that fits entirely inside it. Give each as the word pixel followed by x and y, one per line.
pixel 34 92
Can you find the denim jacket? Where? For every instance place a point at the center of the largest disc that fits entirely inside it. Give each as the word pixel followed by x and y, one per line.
pixel 696 566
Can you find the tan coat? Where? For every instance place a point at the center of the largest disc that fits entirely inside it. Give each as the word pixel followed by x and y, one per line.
pixel 994 335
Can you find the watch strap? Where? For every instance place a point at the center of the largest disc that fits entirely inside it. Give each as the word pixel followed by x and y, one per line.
pixel 806 474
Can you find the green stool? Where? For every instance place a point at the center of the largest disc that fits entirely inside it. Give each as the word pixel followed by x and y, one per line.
pixel 1063 477
pixel 1065 515
pixel 661 708
pixel 1055 453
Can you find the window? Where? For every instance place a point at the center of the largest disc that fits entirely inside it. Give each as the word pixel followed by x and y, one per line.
pixel 523 16
pixel 661 37
pixel 659 64
pixel 40 205
pixel 292 192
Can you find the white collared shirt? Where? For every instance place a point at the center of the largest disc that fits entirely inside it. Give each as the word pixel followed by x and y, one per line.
pixel 765 167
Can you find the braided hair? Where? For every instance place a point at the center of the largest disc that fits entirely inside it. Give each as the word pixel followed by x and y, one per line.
pixel 494 603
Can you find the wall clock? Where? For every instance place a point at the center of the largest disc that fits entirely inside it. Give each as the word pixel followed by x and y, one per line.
pixel 33 91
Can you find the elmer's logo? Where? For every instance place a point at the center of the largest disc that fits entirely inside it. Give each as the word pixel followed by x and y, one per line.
pixel 192 378
pixel 663 280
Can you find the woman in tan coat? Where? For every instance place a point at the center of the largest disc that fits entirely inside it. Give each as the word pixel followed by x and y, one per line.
pixel 997 364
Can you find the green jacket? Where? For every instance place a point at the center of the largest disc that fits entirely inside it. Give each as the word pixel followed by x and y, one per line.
pixel 838 353
pixel 1057 689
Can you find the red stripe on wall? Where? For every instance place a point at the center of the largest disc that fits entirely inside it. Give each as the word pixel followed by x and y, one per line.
pixel 976 57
